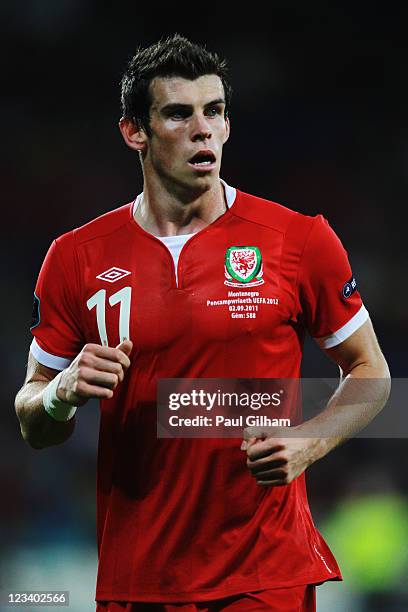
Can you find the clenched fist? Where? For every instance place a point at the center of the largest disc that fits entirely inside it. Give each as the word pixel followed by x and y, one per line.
pixel 94 373
pixel 275 460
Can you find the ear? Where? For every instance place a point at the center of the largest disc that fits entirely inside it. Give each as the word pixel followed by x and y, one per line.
pixel 227 129
pixel 134 135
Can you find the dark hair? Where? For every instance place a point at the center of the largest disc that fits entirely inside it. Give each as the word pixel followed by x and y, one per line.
pixel 173 56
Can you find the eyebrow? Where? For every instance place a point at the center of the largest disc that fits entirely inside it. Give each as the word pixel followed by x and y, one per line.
pixel 179 105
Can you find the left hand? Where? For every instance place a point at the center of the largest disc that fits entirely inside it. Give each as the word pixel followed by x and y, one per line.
pixel 273 459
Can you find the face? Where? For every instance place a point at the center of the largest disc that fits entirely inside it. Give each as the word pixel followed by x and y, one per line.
pixel 188 131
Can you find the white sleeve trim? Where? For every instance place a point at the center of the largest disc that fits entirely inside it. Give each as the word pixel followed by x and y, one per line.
pixel 51 361
pixel 344 332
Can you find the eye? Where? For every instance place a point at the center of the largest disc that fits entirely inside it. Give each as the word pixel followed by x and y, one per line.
pixel 178 114
pixel 213 111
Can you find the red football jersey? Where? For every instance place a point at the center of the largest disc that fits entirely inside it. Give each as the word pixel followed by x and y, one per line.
pixel 181 519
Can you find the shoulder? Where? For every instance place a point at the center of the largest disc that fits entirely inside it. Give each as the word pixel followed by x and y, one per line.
pixel 271 214
pixel 101 226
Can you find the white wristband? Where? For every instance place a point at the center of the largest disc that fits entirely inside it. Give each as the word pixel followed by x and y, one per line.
pixel 56 408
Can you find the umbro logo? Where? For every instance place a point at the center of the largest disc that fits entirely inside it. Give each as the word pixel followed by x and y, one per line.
pixel 113 274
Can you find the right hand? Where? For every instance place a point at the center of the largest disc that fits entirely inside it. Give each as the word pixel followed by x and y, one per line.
pixel 94 373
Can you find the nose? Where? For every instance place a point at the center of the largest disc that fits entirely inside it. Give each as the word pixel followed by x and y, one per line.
pixel 200 128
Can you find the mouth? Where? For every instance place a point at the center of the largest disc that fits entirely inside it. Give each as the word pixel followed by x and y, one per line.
pixel 204 160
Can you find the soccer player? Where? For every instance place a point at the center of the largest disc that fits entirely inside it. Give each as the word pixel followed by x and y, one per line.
pixel 139 294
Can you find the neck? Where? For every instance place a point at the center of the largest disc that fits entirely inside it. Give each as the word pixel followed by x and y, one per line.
pixel 164 213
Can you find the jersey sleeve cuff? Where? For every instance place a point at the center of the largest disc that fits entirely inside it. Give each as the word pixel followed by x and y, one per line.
pixel 344 332
pixel 51 361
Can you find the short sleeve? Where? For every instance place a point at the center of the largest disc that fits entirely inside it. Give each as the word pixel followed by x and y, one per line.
pixel 331 305
pixel 56 322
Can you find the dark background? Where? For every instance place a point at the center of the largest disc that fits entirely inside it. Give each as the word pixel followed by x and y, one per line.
pixel 319 123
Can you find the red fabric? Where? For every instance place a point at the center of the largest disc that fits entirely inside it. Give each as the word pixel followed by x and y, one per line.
pixel 293 599
pixel 324 270
pixel 59 331
pixel 180 519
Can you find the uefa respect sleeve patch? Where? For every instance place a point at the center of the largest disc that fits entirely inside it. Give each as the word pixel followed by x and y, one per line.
pixel 349 288
pixel 35 320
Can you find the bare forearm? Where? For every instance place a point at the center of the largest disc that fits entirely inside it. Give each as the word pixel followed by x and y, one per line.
pixel 358 399
pixel 276 460
pixel 38 429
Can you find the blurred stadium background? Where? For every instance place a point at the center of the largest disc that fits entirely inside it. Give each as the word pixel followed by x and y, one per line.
pixel 319 123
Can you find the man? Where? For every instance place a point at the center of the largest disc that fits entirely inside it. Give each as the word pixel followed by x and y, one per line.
pixel 194 524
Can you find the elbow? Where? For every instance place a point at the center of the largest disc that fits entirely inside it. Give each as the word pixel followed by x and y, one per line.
pixel 381 372
pixel 20 413
pixel 50 433
pixel 32 441
pixel 371 377
pixel 374 366
pixel 386 374
pixel 21 410
pixel 31 428
pixel 386 369
pixel 38 440
pixel 30 438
